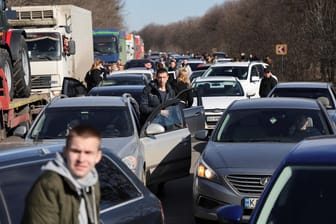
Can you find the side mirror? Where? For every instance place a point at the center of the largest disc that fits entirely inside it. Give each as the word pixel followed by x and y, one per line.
pixel 202 135
pixel 20 131
pixel 250 93
pixel 255 78
pixel 72 47
pixel 154 129
pixel 230 214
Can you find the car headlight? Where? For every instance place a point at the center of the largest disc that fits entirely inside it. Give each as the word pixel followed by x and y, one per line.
pixel 204 171
pixel 131 162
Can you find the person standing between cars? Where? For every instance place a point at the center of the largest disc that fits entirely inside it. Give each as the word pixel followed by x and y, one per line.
pixel 182 83
pixel 185 64
pixel 155 93
pixel 96 74
pixel 68 190
pixel 267 83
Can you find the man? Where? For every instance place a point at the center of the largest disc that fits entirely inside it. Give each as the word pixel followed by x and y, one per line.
pixel 155 93
pixel 68 189
pixel 267 83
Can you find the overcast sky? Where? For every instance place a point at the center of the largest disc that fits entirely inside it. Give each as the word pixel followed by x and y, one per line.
pixel 139 13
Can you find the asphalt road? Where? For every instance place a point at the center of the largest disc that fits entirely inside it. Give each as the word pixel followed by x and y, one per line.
pixel 176 197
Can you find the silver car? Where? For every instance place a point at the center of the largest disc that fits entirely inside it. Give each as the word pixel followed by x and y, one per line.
pixel 248 143
pixel 157 152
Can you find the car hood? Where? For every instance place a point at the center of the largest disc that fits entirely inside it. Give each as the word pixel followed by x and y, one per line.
pixel 121 147
pixel 218 102
pixel 263 155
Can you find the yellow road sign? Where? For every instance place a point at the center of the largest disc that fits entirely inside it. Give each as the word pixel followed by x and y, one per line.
pixel 281 49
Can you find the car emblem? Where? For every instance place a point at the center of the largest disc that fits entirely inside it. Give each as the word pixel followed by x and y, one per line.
pixel 264 181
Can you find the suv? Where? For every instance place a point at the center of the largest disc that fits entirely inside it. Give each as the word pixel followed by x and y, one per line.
pixel 248 73
pixel 117 119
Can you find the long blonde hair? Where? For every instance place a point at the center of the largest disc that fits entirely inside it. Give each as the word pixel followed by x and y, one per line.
pixel 183 76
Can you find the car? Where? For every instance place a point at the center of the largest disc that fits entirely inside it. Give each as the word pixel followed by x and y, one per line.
pixel 138 63
pixel 193 63
pixel 118 90
pixel 217 93
pixel 117 119
pixel 289 197
pixel 248 73
pixel 195 74
pixel 323 91
pixel 249 142
pixel 124 79
pixel 121 190
pixel 135 71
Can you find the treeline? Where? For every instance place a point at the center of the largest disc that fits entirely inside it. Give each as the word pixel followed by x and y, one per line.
pixel 255 26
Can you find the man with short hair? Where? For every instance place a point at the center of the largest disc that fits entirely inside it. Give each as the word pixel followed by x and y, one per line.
pixel 68 189
pixel 267 83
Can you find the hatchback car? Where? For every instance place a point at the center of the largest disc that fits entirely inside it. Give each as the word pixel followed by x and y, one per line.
pixel 121 190
pixel 323 91
pixel 217 93
pixel 117 119
pixel 248 143
pixel 301 191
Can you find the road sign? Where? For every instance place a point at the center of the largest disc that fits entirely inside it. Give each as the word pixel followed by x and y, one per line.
pixel 281 49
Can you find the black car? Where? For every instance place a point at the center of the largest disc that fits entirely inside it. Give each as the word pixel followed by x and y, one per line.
pixel 124 198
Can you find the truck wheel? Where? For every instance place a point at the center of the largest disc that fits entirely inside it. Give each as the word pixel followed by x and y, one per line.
pixel 6 65
pixel 21 68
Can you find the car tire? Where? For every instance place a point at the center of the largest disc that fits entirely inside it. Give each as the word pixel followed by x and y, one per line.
pixel 21 72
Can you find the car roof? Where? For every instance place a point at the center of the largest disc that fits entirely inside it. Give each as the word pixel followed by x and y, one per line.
pixel 237 63
pixel 278 102
pixel 132 71
pixel 314 150
pixel 303 85
pixel 87 101
pixel 216 78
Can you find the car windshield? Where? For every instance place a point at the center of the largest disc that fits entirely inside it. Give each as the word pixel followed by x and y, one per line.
pixel 219 88
pixel 235 71
pixel 111 122
pixel 287 201
pixel 270 125
pixel 313 93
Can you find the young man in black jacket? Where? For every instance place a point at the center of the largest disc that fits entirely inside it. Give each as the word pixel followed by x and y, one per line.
pixel 267 83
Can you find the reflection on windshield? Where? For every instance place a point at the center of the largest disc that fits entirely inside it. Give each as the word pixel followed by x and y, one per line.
pixel 44 46
pixel 271 125
pixel 105 45
pixel 239 72
pixel 219 88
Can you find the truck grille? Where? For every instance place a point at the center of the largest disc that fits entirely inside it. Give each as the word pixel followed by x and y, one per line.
pixel 38 14
pixel 41 81
pixel 248 184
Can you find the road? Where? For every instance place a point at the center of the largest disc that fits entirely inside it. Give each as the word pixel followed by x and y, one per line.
pixel 176 197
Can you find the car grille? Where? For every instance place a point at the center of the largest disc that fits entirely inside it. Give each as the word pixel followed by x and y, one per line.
pixel 41 81
pixel 248 184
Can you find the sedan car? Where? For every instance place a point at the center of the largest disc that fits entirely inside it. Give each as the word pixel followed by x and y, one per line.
pixel 121 190
pixel 117 119
pixel 217 93
pixel 301 191
pixel 249 142
pixel 323 91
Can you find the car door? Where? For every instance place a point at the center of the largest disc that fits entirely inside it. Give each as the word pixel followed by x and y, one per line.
pixel 167 152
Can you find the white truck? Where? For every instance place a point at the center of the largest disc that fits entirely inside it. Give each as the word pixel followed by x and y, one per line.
pixel 60 44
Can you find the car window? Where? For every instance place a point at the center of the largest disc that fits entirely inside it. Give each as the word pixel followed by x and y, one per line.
pixel 235 71
pixel 278 125
pixel 110 121
pixel 15 184
pixel 218 88
pixel 313 93
pixel 171 118
pixel 115 187
pixel 286 202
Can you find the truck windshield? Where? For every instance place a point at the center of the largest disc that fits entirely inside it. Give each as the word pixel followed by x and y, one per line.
pixel 44 46
pixel 105 45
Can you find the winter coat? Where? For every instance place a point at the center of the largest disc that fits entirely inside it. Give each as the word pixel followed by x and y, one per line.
pixel 266 86
pixel 187 97
pixel 93 78
pixel 55 200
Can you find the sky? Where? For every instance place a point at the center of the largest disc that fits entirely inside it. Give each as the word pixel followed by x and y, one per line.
pixel 139 13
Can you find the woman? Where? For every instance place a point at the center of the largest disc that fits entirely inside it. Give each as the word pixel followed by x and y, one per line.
pixel 95 75
pixel 182 83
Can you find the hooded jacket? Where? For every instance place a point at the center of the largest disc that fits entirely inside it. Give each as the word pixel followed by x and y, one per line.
pixel 57 197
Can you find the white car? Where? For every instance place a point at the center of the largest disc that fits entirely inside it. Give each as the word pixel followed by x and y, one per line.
pixel 216 94
pixel 248 73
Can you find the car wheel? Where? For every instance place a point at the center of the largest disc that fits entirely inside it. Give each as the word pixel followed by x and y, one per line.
pixel 6 65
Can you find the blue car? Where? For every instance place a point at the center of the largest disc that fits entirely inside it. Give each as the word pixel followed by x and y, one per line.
pixel 302 189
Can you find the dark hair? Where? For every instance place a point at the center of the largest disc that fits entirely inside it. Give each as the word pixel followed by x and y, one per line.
pixel 267 70
pixel 81 130
pixel 161 70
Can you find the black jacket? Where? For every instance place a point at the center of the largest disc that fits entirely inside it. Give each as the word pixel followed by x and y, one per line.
pixel 266 86
pixel 187 97
pixel 93 77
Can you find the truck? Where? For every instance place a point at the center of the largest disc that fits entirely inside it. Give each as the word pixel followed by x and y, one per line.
pixel 60 44
pixel 17 105
pixel 109 45
pixel 134 47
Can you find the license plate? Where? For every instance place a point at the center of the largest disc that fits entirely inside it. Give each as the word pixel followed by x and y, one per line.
pixel 212 118
pixel 250 203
